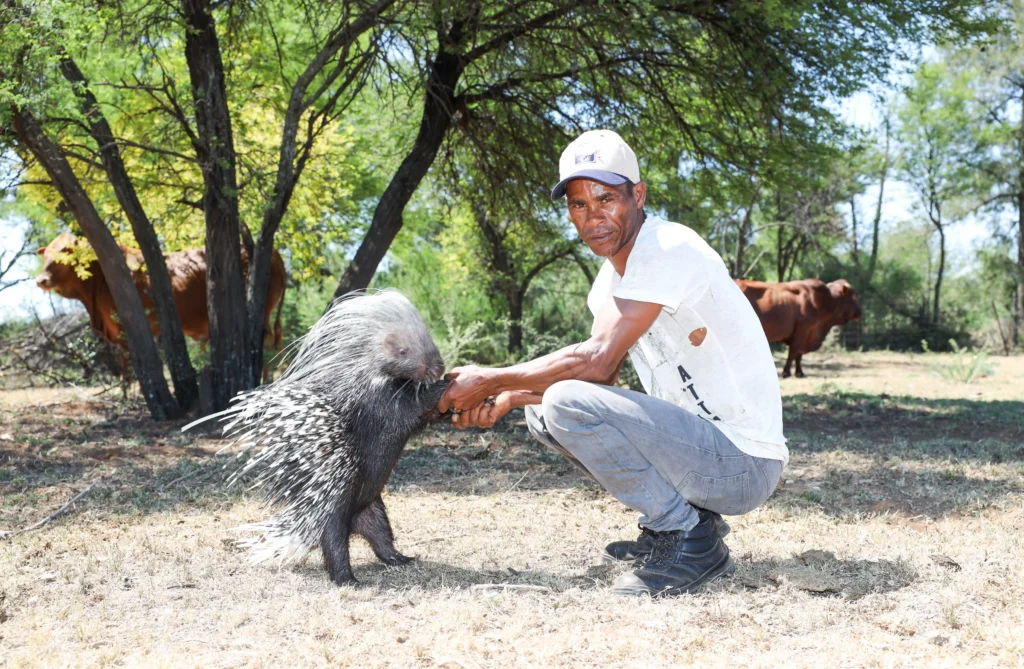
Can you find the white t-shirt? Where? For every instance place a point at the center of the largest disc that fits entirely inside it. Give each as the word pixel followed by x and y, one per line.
pixel 706 352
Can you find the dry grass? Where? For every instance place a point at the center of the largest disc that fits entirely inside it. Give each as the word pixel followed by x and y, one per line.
pixel 891 466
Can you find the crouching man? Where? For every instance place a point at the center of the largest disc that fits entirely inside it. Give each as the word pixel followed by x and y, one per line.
pixel 706 439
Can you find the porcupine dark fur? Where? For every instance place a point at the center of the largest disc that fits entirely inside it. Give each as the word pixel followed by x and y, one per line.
pixel 364 379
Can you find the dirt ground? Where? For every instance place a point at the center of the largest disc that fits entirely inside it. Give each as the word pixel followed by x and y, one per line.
pixel 894 540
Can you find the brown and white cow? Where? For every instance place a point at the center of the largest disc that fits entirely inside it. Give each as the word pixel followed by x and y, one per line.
pixel 187 270
pixel 800 313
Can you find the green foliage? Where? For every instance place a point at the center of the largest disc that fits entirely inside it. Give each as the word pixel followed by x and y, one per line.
pixel 725 104
pixel 967 365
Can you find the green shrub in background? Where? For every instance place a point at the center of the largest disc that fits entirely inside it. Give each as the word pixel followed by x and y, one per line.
pixel 966 365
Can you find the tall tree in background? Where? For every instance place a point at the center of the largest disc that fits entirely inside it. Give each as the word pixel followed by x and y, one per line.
pixel 708 72
pixel 935 148
pixel 31 47
pixel 317 61
pixel 993 74
pixel 329 80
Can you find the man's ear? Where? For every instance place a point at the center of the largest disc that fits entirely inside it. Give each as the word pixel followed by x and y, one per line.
pixel 640 194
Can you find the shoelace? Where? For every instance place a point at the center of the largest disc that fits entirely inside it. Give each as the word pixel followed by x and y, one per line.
pixel 663 553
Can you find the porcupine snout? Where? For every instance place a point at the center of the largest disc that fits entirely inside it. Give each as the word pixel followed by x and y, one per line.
pixel 433 369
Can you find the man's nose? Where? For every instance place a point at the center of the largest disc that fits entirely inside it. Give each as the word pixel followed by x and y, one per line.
pixel 595 214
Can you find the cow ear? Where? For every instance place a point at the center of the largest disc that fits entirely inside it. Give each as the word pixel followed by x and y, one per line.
pixel 42 250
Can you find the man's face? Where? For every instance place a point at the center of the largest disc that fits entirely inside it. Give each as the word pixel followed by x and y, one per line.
pixel 606 217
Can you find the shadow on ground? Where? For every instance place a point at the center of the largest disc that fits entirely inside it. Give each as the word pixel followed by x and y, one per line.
pixel 884 417
pixel 915 456
pixel 817 572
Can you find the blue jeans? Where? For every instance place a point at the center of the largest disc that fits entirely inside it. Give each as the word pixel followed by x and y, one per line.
pixel 651 455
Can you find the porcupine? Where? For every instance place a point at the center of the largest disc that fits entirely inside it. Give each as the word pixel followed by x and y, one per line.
pixel 365 379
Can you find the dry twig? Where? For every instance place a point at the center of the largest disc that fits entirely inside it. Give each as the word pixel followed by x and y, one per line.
pixel 509 586
pixel 7 534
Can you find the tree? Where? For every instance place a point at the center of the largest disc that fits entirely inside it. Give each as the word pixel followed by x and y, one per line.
pixel 144 356
pixel 30 48
pixel 935 148
pixel 171 336
pixel 317 94
pixel 993 76
pixel 308 66
pixel 702 74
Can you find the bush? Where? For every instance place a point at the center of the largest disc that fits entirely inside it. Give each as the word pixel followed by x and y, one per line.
pixel 966 366
pixel 62 350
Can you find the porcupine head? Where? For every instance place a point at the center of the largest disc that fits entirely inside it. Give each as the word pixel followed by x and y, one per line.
pixel 364 379
pixel 363 343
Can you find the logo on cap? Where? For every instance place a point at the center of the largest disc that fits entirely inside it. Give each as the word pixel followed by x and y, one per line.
pixel 586 157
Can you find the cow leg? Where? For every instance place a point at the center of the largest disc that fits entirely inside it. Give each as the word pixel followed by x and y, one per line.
pixel 797 348
pixel 812 342
pixel 789 363
pixel 126 368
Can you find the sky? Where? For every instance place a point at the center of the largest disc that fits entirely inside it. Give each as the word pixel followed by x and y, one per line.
pixel 861 109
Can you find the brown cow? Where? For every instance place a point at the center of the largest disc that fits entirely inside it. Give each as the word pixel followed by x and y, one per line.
pixel 187 271
pixel 800 313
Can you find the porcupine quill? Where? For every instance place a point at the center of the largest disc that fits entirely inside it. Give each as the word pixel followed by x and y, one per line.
pixel 328 433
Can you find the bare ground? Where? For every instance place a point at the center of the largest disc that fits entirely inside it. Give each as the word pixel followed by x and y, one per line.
pixel 893 540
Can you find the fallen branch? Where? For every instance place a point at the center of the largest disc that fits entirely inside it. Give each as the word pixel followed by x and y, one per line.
pixel 509 586
pixel 184 477
pixel 7 534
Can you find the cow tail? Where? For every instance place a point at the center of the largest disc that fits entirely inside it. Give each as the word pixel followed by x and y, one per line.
pixel 277 320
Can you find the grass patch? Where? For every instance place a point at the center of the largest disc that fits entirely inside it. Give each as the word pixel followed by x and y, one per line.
pixel 890 468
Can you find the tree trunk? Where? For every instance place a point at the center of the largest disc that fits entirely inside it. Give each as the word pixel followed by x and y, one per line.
pixel 438 107
pixel 144 356
pixel 873 261
pixel 1018 334
pixel 855 252
pixel 503 282
pixel 172 339
pixel 292 158
pixel 515 313
pixel 739 269
pixel 225 288
pixel 938 276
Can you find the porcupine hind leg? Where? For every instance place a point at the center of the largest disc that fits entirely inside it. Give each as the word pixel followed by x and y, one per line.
pixel 372 523
pixel 334 543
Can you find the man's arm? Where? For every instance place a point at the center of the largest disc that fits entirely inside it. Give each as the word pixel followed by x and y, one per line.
pixel 619 325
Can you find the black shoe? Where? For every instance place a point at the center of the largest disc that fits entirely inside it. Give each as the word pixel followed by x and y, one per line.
pixel 628 551
pixel 679 562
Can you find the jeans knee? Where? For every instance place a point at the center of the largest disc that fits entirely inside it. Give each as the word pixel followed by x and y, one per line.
pixel 563 399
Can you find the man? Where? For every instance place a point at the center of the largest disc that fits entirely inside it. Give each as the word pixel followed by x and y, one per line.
pixel 707 438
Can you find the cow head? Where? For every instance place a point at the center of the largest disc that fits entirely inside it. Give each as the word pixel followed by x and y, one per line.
pixel 847 302
pixel 57 274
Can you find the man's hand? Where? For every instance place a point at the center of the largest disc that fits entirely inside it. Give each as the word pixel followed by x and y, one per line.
pixel 468 387
pixel 485 414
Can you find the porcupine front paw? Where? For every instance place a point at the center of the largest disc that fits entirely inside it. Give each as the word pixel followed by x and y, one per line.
pixel 396 560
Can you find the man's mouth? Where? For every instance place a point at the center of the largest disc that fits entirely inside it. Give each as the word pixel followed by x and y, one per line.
pixel 600 237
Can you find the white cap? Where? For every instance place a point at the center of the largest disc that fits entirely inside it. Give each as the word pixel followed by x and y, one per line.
pixel 600 155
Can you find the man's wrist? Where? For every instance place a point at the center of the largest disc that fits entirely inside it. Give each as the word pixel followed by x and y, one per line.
pixel 496 379
pixel 522 398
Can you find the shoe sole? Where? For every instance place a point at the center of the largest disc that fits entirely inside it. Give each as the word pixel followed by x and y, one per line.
pixel 608 558
pixel 723 569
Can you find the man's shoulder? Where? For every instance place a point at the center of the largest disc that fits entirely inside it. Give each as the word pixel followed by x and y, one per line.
pixel 659 235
